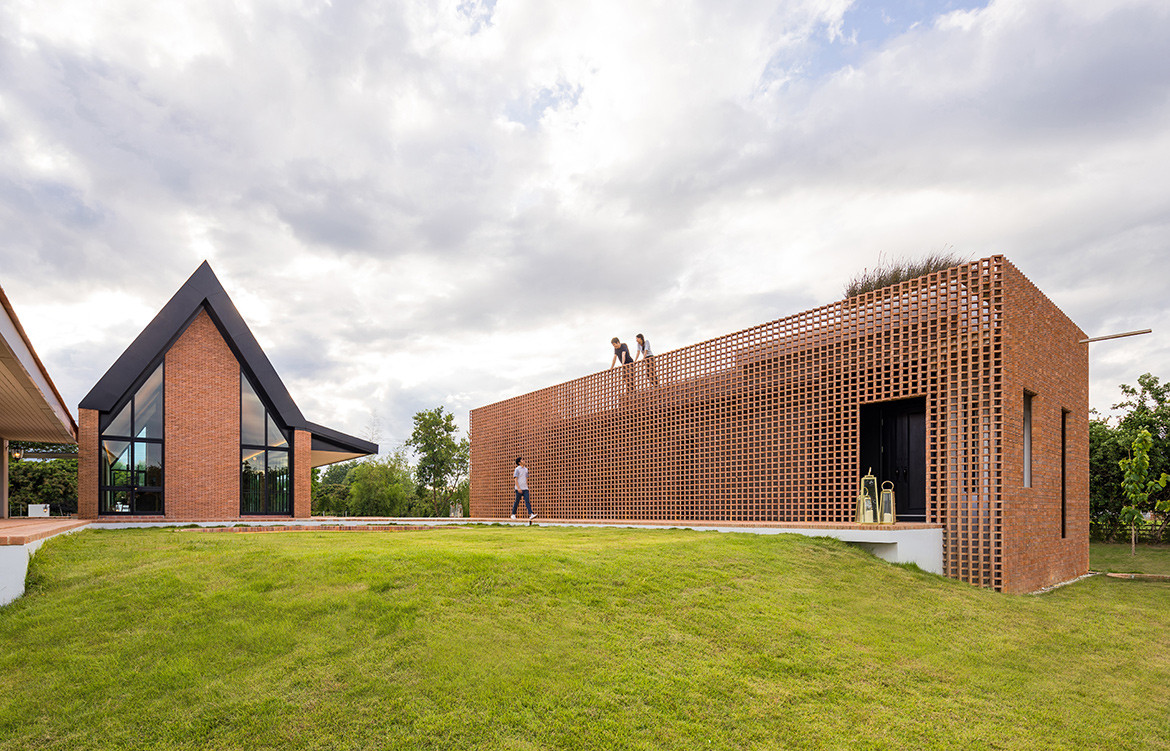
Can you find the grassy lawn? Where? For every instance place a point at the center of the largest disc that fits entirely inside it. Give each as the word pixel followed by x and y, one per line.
pixel 527 638
pixel 1115 557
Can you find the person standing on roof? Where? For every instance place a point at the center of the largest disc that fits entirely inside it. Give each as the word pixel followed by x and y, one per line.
pixel 644 351
pixel 622 352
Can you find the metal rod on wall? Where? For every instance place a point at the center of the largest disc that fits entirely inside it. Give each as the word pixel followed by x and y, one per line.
pixel 1115 336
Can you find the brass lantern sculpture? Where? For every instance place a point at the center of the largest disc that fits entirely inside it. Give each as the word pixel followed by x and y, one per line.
pixel 886 509
pixel 867 499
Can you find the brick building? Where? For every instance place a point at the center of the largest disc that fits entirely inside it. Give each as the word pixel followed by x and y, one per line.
pixel 192 423
pixel 967 389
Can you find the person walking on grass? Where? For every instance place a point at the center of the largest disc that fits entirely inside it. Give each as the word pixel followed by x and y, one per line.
pixel 520 476
pixel 622 352
pixel 644 351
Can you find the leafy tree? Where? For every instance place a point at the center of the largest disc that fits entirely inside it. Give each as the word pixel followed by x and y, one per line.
pixel 51 481
pixel 1138 487
pixel 335 474
pixel 381 487
pixel 1106 450
pixel 330 491
pixel 1147 407
pixel 331 500
pixel 443 461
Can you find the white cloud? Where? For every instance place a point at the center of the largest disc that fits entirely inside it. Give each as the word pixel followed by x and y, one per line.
pixel 432 203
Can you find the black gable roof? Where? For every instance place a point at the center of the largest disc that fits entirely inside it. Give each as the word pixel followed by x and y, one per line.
pixel 202 291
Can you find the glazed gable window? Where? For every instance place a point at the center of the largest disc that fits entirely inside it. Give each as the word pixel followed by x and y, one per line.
pixel 131 453
pixel 265 472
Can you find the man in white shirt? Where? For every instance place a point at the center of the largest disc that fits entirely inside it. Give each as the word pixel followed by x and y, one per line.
pixel 520 476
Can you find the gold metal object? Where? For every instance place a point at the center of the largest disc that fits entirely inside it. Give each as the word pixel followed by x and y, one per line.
pixel 886 509
pixel 867 499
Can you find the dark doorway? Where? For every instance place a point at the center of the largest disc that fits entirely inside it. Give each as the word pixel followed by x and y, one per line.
pixel 893 443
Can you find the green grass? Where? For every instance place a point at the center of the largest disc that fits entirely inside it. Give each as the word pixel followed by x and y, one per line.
pixel 528 638
pixel 1116 557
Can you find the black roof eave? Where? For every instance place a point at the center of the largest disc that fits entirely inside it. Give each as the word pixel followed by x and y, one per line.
pixel 201 291
pixel 327 439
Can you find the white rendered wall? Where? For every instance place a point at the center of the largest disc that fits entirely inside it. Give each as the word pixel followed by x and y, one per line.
pixel 14 568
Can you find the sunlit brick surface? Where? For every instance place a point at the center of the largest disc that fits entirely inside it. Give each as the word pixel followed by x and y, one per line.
pixel 762 424
pixel 201 468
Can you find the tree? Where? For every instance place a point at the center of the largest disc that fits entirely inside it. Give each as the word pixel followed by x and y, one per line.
pixel 1147 407
pixel 443 461
pixel 335 474
pixel 330 490
pixel 1106 450
pixel 1138 487
pixel 381 487
pixel 51 481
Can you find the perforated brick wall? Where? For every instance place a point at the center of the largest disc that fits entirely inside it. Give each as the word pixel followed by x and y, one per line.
pixel 762 424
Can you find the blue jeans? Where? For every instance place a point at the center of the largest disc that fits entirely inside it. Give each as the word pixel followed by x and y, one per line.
pixel 527 503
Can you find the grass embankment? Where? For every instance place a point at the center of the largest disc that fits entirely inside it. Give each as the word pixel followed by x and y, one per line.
pixel 556 638
pixel 1116 557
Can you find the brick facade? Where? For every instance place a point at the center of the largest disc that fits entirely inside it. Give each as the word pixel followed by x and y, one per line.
pixel 202 409
pixel 763 424
pixel 302 484
pixel 1038 360
pixel 201 464
pixel 87 464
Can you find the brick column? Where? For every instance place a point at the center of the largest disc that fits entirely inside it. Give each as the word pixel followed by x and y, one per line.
pixel 87 464
pixel 302 474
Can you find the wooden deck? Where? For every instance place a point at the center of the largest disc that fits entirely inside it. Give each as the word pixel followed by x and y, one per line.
pixel 22 531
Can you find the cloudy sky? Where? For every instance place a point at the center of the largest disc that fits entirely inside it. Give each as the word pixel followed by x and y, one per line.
pixel 452 202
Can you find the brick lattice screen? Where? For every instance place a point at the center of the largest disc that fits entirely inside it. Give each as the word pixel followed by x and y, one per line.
pixel 763 424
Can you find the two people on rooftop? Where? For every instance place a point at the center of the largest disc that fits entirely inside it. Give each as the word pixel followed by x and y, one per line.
pixel 622 353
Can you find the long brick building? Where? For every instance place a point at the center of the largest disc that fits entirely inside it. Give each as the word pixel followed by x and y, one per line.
pixel 967 389
pixel 192 423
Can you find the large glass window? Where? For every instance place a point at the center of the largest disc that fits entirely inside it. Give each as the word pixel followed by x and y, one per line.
pixel 265 476
pixel 131 455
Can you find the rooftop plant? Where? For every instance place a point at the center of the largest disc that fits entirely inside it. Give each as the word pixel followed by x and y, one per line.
pixel 893 271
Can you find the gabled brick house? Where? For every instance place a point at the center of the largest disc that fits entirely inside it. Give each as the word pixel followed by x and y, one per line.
pixel 192 423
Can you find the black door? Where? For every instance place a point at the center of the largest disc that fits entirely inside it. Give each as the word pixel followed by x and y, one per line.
pixel 893 444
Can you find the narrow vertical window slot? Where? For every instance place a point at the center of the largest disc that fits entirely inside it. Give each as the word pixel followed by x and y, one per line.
pixel 1028 396
pixel 1064 473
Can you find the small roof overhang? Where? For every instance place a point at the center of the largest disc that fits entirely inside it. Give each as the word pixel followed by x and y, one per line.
pixel 31 409
pixel 332 446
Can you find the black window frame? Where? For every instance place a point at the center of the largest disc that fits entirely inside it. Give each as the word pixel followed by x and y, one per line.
pixel 266 450
pixel 106 491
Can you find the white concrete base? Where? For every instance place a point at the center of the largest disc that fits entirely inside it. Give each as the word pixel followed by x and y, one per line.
pixel 14 569
pixel 14 560
pixel 922 547
pixel 38 510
